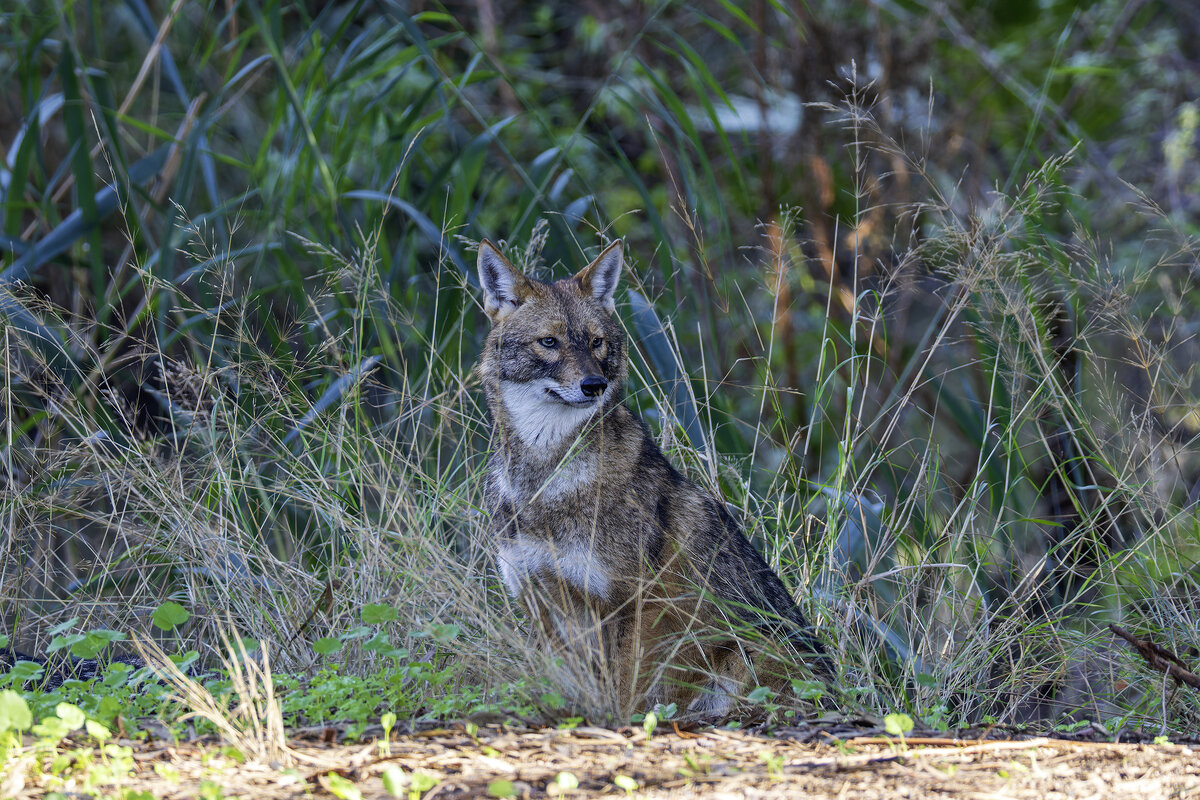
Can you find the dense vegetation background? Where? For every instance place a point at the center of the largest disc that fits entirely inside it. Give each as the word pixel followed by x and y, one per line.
pixel 911 287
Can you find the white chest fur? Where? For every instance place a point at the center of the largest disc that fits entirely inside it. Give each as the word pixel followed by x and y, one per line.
pixel 540 421
pixel 573 563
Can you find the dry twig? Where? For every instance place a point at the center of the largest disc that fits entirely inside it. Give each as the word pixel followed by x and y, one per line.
pixel 1159 658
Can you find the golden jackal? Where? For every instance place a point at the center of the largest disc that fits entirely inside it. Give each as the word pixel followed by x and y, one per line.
pixel 624 565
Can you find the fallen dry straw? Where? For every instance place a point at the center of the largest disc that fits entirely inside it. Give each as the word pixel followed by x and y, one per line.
pixel 462 762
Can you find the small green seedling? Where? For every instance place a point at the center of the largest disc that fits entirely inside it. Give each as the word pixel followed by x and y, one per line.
pixel 339 787
pixel 898 725
pixel 649 724
pixel 419 784
pixel 564 782
pixel 167 772
pixel 394 780
pixel 764 696
pixel 695 764
pixel 774 764
pixel 811 691
pixel 97 731
pixel 501 789
pixel 1072 725
pixel 388 720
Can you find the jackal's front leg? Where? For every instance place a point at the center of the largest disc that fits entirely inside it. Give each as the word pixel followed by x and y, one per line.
pixel 586 640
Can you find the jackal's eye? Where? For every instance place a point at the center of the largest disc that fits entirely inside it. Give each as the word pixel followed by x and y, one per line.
pixel 597 342
pixel 548 342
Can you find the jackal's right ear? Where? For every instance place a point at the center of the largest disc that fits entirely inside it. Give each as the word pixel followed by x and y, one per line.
pixel 504 287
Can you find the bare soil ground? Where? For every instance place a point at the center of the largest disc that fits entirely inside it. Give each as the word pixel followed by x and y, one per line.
pixel 798 762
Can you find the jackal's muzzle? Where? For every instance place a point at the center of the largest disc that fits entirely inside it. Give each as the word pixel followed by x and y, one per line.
pixel 589 390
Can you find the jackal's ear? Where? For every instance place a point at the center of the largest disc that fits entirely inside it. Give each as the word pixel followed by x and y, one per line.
pixel 599 278
pixel 504 287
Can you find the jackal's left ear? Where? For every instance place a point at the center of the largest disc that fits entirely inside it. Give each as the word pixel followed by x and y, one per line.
pixel 599 279
pixel 504 287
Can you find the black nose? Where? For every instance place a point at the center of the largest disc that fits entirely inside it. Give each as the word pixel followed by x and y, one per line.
pixel 593 385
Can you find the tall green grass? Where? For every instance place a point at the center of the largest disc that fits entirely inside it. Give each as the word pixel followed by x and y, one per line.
pixel 925 341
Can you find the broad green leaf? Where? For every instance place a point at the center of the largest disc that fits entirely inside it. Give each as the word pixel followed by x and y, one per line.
pixel 14 712
pixel 326 645
pixel 170 615
pixel 94 641
pixel 51 728
pixel 63 627
pixel 60 642
pixel 898 724
pixel 379 643
pixel 23 672
pixel 378 614
pixel 97 731
pixel 760 694
pixel 71 715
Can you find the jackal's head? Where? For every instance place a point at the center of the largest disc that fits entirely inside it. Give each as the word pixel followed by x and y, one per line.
pixel 556 355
